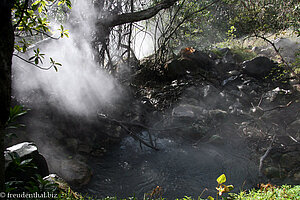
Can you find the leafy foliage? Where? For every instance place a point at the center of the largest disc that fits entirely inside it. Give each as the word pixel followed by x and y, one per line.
pixel 261 17
pixel 14 113
pixel 31 23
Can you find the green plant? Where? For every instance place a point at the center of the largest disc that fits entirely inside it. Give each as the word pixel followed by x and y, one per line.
pixel 222 188
pixel 14 113
pixel 38 184
pixel 270 193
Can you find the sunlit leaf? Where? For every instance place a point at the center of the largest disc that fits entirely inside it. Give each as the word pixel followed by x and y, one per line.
pixel 221 179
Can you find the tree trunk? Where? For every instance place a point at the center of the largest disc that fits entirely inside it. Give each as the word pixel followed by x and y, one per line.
pixel 6 51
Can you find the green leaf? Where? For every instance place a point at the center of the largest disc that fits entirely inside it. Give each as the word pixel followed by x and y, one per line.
pixel 221 179
pixel 230 187
pixel 26 162
pixel 210 198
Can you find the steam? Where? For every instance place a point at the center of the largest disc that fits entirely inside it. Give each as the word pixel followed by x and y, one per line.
pixel 79 86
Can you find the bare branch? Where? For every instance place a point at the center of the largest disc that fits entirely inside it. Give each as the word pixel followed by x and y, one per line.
pixel 125 18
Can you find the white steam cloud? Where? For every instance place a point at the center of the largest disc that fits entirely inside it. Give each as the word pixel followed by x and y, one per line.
pixel 79 86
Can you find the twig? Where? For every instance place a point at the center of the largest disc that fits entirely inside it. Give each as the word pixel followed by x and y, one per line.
pixel 279 107
pixel 265 155
pixel 100 116
pixel 138 138
pixel 32 63
pixel 22 14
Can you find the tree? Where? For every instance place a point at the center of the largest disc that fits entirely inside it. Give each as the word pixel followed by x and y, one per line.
pixel 6 51
pixel 261 19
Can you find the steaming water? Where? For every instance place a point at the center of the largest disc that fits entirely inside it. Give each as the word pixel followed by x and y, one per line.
pixel 80 88
pixel 179 168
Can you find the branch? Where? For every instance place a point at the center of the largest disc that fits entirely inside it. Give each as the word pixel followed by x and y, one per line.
pixel 32 63
pixel 265 155
pixel 187 17
pixel 22 14
pixel 279 106
pixel 125 18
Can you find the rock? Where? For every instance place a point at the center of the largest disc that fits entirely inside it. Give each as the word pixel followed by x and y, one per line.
pixel 216 140
pixel 274 94
pixel 228 57
pixel 287 48
pixel 74 172
pixel 202 59
pixel 256 111
pixel 224 68
pixel 290 160
pixel 72 144
pixel 183 112
pixel 294 127
pixel 26 150
pixel 258 67
pixel 218 114
pixel 83 148
pixel 193 63
pixel 297 176
pixel 272 172
pixel 57 182
pixel 188 111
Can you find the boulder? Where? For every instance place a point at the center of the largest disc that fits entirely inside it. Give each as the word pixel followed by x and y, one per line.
pixel 188 112
pixel 201 59
pixel 74 172
pixel 272 172
pixel 258 67
pixel 26 150
pixel 193 63
pixel 290 160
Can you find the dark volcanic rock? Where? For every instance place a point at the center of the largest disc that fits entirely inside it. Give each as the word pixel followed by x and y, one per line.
pixel 26 150
pixel 258 67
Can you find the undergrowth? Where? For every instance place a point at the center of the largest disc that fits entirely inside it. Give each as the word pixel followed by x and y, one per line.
pixel 265 192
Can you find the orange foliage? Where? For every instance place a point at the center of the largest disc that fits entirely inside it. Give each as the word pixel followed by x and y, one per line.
pixel 187 51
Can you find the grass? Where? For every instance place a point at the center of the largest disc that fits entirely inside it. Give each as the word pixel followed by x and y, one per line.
pixel 284 192
pixel 266 192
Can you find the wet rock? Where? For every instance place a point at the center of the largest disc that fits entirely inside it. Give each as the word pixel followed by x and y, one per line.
pixel 234 73
pixel 209 91
pixel 290 160
pixel 258 67
pixel 216 140
pixel 218 114
pixel 187 111
pixel 56 181
pixel 296 177
pixel 26 150
pixel 83 148
pixel 272 172
pixel 224 68
pixel 74 172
